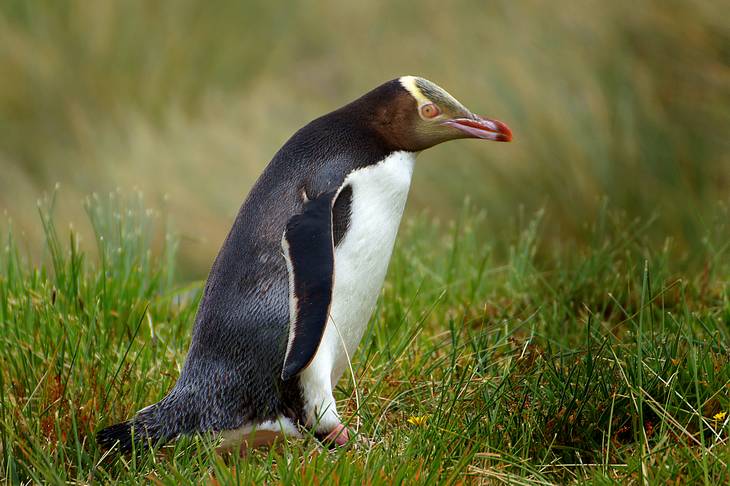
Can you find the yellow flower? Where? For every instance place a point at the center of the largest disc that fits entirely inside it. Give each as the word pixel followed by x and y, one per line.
pixel 720 416
pixel 418 421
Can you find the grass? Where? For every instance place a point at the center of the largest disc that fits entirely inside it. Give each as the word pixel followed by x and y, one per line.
pixel 507 359
pixel 622 99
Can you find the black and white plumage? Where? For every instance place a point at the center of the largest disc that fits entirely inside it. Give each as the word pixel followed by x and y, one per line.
pixel 296 281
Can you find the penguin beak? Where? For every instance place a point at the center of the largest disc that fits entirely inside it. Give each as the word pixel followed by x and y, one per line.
pixel 484 128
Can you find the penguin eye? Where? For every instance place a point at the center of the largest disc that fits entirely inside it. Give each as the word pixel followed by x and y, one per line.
pixel 430 111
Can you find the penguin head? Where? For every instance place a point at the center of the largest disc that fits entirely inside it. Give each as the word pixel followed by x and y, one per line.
pixel 413 114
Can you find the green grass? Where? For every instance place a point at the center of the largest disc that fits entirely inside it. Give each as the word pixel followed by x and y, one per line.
pixel 515 360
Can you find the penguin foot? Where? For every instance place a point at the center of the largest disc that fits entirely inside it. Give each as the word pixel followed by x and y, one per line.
pixel 337 437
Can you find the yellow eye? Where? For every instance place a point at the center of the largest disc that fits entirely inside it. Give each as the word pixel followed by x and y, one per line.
pixel 430 111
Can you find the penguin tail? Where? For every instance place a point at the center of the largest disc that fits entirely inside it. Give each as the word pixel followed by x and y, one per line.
pixel 152 426
pixel 119 435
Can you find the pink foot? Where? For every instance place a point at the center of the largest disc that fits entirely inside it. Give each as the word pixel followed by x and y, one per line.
pixel 338 436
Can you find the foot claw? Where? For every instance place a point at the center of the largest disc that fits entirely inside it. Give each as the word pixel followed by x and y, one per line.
pixel 339 436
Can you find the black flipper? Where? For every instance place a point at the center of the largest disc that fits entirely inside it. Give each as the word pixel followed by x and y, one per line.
pixel 309 250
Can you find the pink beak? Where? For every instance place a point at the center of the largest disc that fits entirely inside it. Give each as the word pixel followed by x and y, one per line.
pixel 484 128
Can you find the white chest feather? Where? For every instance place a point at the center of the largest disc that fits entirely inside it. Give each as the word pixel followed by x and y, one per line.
pixel 379 194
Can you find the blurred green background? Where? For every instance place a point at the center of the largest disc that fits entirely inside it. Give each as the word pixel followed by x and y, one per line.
pixel 624 101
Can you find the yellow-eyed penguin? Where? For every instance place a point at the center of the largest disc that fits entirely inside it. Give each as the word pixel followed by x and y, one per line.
pixel 296 281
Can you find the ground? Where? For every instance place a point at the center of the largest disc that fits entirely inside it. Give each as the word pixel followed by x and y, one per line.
pixel 489 358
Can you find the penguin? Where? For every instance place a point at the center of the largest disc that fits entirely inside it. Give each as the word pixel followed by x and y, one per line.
pixel 296 281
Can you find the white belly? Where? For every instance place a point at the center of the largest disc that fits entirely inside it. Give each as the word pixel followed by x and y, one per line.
pixel 379 194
